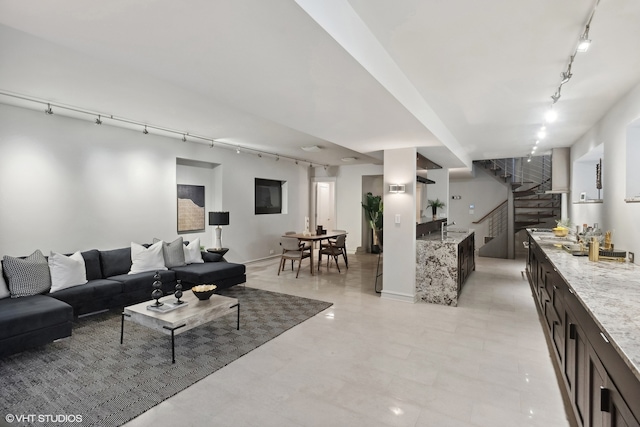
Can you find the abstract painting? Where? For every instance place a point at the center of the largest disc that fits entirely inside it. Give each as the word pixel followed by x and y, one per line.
pixel 190 208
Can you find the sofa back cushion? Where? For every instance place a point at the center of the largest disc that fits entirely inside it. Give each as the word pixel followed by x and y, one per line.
pixel 27 276
pixel 92 264
pixel 115 262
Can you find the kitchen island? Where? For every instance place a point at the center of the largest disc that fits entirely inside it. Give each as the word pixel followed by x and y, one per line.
pixel 590 312
pixel 443 263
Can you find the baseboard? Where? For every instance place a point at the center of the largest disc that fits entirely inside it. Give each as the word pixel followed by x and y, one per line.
pixel 396 296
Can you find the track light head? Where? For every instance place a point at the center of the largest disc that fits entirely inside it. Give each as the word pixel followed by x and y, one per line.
pixel 277 158
pixel 49 110
pixel 145 131
pixel 566 76
pixel 260 155
pixel 542 133
pixel 584 42
pixel 184 138
pixel 551 115
pixel 556 96
pixel 296 162
pixel 237 151
pixel 98 121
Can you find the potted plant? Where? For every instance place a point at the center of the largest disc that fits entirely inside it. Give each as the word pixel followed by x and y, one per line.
pixel 435 204
pixel 373 210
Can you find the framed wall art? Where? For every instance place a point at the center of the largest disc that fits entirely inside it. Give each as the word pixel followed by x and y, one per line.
pixel 191 208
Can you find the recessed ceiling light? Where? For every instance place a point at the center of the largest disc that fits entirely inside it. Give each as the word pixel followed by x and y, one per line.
pixel 312 148
pixel 349 159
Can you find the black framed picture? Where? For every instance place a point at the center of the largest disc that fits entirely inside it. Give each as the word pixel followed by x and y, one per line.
pixel 191 208
pixel 268 196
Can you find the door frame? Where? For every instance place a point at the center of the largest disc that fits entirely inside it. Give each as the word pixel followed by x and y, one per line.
pixel 314 196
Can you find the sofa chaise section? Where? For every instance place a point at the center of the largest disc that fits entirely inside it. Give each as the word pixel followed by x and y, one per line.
pixel 32 321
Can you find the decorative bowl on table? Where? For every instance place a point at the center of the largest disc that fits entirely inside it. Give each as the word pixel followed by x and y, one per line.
pixel 560 231
pixel 204 292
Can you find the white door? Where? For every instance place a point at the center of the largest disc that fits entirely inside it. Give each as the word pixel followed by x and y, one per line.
pixel 325 205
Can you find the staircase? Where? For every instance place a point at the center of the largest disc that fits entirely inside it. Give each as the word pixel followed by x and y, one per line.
pixel 528 204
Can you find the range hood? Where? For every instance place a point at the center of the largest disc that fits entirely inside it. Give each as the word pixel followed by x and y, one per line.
pixel 422 165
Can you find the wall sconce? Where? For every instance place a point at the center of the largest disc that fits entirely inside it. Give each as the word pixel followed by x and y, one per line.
pixel 396 188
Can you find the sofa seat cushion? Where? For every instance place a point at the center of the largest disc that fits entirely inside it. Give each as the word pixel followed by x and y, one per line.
pixel 208 272
pixel 94 289
pixel 143 281
pixel 30 313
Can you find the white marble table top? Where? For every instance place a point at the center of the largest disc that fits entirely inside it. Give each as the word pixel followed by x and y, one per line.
pixel 196 313
pixel 609 291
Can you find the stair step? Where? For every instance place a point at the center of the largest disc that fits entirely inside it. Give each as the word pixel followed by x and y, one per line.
pixel 523 216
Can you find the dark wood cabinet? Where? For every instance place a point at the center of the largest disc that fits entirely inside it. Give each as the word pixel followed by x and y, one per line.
pixel 466 259
pixel 600 386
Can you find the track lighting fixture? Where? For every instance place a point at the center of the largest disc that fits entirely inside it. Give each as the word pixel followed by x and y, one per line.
pixel 566 76
pixel 556 96
pixel 115 120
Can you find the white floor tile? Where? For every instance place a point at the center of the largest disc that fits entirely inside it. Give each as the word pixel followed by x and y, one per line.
pixel 366 361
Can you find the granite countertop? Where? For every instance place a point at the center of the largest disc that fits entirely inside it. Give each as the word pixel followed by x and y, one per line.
pixel 453 236
pixel 609 291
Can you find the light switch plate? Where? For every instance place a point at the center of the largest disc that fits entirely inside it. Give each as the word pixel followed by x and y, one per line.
pixel 631 257
pixel 397 218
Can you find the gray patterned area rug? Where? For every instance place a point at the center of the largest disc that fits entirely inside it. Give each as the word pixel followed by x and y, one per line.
pixel 90 374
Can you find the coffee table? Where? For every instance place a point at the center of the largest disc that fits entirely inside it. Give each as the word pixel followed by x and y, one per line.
pixel 180 320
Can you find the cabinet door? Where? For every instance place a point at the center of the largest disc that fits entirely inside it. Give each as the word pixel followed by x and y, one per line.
pixel 608 407
pixel 575 366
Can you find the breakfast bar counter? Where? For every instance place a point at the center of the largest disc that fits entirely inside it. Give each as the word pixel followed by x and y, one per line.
pixel 443 263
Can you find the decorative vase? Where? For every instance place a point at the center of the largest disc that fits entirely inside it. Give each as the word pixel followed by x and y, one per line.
pixel 157 292
pixel 178 292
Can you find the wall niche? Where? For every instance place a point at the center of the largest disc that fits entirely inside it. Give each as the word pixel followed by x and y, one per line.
pixel 586 180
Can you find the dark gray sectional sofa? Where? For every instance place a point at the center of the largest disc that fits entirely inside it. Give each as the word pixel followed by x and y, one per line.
pixel 35 320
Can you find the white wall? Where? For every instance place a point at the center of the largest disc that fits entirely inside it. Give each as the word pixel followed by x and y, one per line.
pixel 485 193
pixel 439 190
pixel 399 261
pixel 614 213
pixel 349 196
pixel 67 184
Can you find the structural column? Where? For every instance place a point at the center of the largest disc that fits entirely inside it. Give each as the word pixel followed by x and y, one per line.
pixel 399 226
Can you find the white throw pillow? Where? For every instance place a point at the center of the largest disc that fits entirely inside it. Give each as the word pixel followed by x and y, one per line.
pixel 146 259
pixel 4 289
pixel 192 253
pixel 66 271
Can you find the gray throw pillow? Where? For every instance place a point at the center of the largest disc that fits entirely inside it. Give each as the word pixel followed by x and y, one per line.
pixel 173 253
pixel 27 276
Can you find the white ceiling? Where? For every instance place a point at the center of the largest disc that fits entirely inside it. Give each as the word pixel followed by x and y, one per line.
pixel 461 80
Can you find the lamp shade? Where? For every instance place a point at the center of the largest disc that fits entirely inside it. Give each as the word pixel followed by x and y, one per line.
pixel 218 218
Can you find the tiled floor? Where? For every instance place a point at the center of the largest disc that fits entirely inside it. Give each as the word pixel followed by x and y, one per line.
pixel 367 361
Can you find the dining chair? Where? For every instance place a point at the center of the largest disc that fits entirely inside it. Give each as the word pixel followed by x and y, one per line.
pixel 333 249
pixel 291 250
pixel 344 245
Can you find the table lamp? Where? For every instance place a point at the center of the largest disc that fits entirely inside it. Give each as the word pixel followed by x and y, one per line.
pixel 218 218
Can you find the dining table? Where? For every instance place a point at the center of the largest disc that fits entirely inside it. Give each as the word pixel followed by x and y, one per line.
pixel 315 238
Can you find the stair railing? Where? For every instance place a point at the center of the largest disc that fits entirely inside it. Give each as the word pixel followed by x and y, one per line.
pixel 498 219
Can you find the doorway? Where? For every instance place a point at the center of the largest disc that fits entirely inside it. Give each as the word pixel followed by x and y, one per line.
pixel 325 205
